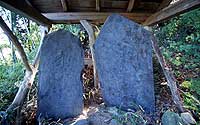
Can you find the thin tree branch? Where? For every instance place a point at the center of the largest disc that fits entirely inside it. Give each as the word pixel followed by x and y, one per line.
pixel 17 44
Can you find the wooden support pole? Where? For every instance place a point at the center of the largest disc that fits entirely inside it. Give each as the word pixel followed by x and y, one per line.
pixel 31 70
pixel 16 43
pixel 97 5
pixel 168 75
pixel 90 31
pixel 130 5
pixel 29 77
pixel 64 5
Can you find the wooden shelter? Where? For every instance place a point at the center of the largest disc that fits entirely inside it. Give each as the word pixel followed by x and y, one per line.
pixel 48 12
pixel 146 12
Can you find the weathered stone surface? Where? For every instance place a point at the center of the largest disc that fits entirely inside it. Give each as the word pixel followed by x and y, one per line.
pixel 60 87
pixel 171 118
pixel 114 122
pixel 124 63
pixel 187 118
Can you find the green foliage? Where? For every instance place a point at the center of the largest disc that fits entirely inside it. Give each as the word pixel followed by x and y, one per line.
pixel 196 86
pixel 73 28
pixel 192 95
pixel 179 39
pixel 11 75
pixel 186 84
pixel 190 103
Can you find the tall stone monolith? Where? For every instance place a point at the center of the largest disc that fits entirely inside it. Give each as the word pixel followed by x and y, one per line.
pixel 60 93
pixel 123 55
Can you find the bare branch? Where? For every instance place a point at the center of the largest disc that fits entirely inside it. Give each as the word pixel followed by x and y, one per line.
pixel 17 44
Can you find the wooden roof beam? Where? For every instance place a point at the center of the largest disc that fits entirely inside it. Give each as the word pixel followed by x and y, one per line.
pixel 164 4
pixel 97 5
pixel 96 17
pixel 64 5
pixel 171 11
pixel 130 5
pixel 25 9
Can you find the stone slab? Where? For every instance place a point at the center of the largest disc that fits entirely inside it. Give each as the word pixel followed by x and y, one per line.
pixel 123 56
pixel 60 93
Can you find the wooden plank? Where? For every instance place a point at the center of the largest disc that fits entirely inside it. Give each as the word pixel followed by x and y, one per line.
pixel 100 17
pixel 171 81
pixel 171 11
pixel 90 31
pixel 52 6
pixel 97 5
pixel 64 5
pixel 164 4
pixel 23 8
pixel 130 5
pixel 88 61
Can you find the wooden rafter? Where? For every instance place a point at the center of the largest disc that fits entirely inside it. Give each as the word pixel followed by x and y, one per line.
pixel 130 5
pixel 99 17
pixel 171 11
pixel 25 9
pixel 64 5
pixel 164 4
pixel 97 5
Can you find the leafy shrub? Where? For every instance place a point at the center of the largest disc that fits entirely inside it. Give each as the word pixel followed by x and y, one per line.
pixel 196 86
pixel 11 75
pixel 179 40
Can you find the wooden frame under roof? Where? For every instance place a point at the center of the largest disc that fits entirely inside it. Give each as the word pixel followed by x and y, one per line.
pixel 146 12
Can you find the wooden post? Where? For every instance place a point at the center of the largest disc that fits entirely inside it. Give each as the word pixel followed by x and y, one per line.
pixel 64 5
pixel 31 70
pixel 90 31
pixel 168 75
pixel 97 5
pixel 130 5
